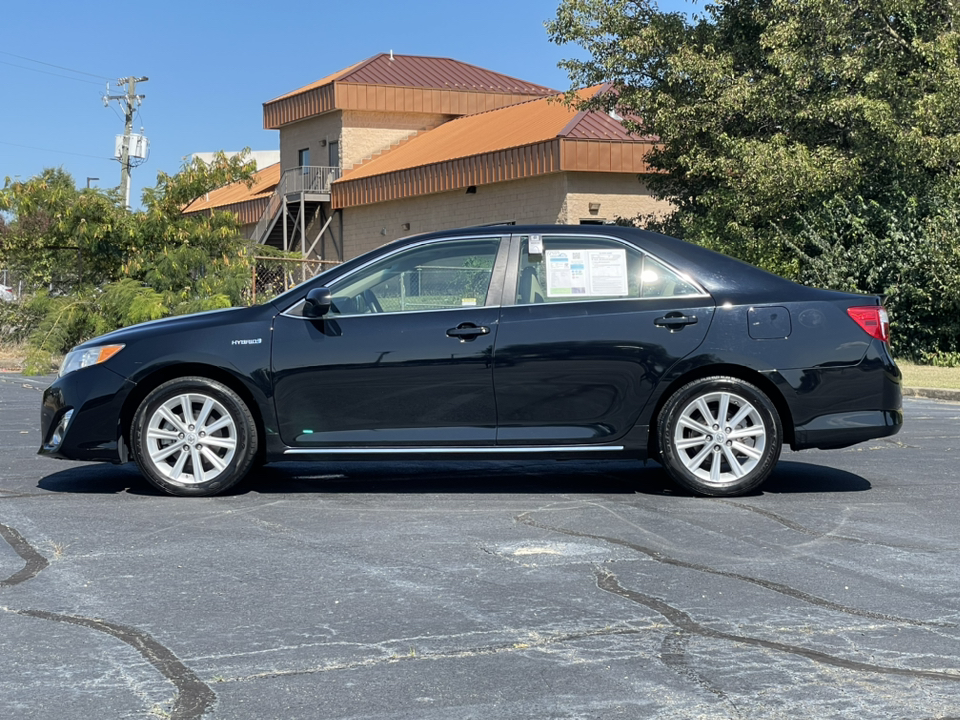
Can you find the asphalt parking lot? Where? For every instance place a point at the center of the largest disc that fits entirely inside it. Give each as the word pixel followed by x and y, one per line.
pixel 494 590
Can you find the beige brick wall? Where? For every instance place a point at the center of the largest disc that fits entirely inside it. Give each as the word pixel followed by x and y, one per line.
pixel 308 134
pixel 366 133
pixel 620 195
pixel 536 200
pixel 360 134
pixel 562 198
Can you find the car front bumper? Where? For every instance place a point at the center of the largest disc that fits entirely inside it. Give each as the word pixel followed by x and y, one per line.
pixel 80 415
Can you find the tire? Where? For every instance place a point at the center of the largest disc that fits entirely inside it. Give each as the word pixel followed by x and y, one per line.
pixel 716 458
pixel 219 437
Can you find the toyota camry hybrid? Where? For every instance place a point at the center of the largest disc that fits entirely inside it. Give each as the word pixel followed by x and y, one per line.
pixel 487 343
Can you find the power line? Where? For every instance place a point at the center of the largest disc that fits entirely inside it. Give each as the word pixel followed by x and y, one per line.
pixel 62 152
pixel 58 67
pixel 47 72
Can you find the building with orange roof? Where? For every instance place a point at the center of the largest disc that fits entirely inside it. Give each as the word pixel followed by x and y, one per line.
pixel 401 144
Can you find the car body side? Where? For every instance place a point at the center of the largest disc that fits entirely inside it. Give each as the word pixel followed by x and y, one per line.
pixel 832 384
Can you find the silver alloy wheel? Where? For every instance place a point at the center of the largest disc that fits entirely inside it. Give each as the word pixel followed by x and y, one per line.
pixel 191 438
pixel 720 437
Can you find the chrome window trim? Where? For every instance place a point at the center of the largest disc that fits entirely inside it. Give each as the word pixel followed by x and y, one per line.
pixel 496 264
pixel 385 314
pixel 598 236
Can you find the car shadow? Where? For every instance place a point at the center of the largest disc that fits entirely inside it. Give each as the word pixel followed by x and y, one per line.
pixel 482 477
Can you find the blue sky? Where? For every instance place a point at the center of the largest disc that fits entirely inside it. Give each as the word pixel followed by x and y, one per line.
pixel 213 64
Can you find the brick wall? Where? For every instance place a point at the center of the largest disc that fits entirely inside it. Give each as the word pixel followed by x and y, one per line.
pixel 536 200
pixel 562 198
pixel 619 195
pixel 308 134
pixel 366 133
pixel 360 135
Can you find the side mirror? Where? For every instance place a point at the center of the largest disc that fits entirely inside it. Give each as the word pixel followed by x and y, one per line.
pixel 318 302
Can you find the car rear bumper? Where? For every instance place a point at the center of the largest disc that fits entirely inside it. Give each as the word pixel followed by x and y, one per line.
pixel 843 406
pixel 80 415
pixel 840 430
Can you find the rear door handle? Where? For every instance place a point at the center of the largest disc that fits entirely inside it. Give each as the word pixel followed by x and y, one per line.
pixel 675 321
pixel 468 331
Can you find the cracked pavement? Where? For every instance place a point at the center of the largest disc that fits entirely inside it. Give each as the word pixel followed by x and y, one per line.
pixel 484 590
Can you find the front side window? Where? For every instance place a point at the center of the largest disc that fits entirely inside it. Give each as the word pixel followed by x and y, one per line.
pixel 438 276
pixel 584 268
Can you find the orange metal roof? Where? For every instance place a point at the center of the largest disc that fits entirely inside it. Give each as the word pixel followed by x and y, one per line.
pixel 264 183
pixel 509 127
pixel 426 72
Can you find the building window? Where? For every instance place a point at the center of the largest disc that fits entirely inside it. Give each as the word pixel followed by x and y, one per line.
pixel 334 153
pixel 303 157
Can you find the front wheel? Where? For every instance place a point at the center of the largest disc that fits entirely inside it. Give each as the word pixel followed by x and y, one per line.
pixel 719 436
pixel 193 436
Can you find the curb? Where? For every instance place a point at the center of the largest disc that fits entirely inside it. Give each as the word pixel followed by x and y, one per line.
pixel 947 394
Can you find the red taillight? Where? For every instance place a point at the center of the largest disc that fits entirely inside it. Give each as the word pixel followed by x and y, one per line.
pixel 873 319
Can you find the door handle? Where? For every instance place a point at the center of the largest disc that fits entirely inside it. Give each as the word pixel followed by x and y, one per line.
pixel 468 331
pixel 675 321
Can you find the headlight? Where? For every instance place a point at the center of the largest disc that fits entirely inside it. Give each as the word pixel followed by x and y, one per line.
pixel 85 357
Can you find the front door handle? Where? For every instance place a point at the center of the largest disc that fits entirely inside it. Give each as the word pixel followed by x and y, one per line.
pixel 468 331
pixel 675 321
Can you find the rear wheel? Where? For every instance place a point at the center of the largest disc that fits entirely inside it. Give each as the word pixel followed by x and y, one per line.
pixel 194 436
pixel 719 436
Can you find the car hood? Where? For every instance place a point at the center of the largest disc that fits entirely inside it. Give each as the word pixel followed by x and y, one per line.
pixel 193 321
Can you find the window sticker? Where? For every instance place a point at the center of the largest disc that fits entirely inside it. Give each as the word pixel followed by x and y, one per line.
pixel 586 273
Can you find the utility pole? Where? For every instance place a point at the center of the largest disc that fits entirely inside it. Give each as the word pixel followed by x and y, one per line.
pixel 130 102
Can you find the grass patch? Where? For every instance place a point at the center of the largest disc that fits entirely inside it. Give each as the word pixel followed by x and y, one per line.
pixel 13 356
pixel 21 358
pixel 928 376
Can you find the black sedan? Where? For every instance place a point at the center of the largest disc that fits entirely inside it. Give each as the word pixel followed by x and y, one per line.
pixel 492 342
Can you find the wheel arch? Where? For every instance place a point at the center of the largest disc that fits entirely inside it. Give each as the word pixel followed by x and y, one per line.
pixel 749 375
pixel 171 372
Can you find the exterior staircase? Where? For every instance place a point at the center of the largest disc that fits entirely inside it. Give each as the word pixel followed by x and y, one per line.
pixel 295 207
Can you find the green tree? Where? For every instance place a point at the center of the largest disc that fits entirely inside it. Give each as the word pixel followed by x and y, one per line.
pixel 770 111
pixel 136 266
pixel 56 226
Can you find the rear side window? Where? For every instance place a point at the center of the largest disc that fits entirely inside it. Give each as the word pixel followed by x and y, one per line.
pixel 584 268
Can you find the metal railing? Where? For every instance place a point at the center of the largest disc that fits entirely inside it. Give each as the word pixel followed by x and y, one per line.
pixel 303 179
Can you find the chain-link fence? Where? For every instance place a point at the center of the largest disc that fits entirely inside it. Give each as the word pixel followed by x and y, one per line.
pixel 11 286
pixel 66 276
pixel 272 276
pixel 431 287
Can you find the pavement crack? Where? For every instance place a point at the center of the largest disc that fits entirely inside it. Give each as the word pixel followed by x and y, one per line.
pixel 673 654
pixel 792 525
pixel 419 655
pixel 35 562
pixel 193 698
pixel 608 582
pixel 766 584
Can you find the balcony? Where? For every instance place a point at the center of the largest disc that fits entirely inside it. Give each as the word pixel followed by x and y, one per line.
pixel 313 182
pixel 295 202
